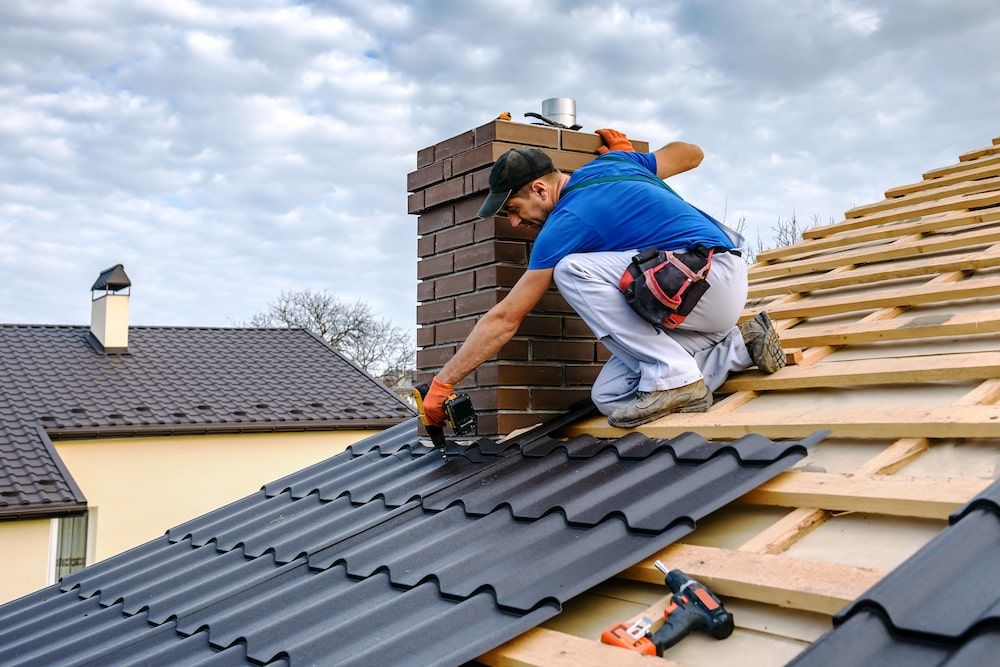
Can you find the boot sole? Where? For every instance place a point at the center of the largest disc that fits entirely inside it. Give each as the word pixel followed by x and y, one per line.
pixel 772 356
pixel 701 405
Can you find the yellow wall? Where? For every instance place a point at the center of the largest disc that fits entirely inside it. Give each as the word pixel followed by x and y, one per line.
pixel 24 557
pixel 140 487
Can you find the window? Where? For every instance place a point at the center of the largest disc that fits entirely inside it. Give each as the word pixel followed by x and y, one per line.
pixel 71 545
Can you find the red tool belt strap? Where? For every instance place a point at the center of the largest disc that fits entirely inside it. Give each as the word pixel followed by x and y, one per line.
pixel 663 287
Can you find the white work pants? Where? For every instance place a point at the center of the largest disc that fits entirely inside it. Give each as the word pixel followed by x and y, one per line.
pixel 707 345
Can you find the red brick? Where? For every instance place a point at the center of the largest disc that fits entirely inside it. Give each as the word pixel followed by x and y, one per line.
pixel 480 180
pixel 456 284
pixel 425 246
pixel 480 302
pixel 557 399
pixel 584 375
pixel 518 374
pixel 508 422
pixel 456 236
pixel 518 133
pixel 552 302
pixel 502 423
pixel 435 266
pixel 574 327
pixel 540 325
pixel 435 219
pixel 448 191
pixel 491 252
pixel 435 311
pixel 561 350
pixel 434 357
pixel 472 159
pixel 421 178
pixel 455 145
pixel 513 350
pixel 468 208
pixel 425 336
pixel 499 276
pixel 425 290
pixel 602 353
pixel 500 398
pixel 502 229
pixel 455 331
pixel 424 377
pixel 425 157
pixel 415 202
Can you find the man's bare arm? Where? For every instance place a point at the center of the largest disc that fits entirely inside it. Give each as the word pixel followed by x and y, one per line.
pixel 497 326
pixel 677 157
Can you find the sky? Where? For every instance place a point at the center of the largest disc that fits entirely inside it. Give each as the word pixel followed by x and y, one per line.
pixel 226 151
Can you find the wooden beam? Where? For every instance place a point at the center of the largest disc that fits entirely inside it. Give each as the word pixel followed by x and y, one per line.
pixel 921 326
pixel 923 497
pixel 974 261
pixel 541 647
pixel 979 200
pixel 920 186
pixel 900 296
pixel 911 248
pixel 780 580
pixel 978 153
pixel 862 423
pixel 862 372
pixel 786 531
pixel 961 167
pixel 963 187
pixel 934 223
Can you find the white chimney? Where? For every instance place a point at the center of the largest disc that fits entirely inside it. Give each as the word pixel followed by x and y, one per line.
pixel 109 309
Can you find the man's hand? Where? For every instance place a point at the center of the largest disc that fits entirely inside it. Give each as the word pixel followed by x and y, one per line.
pixel 613 141
pixel 434 401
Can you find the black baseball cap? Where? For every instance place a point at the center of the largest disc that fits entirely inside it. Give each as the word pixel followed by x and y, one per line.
pixel 512 171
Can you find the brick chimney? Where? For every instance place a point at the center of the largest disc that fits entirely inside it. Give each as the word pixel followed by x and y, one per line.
pixel 467 265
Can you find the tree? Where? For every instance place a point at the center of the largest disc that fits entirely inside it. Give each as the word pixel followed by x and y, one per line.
pixel 381 348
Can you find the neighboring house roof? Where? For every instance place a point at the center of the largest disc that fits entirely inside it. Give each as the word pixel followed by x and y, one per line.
pixel 940 607
pixel 173 380
pixel 390 554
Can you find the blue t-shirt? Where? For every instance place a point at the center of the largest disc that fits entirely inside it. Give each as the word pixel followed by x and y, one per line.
pixel 622 215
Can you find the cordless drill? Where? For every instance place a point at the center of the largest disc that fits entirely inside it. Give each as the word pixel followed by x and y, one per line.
pixel 691 607
pixel 458 411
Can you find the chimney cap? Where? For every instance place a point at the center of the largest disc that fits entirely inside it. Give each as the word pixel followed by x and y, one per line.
pixel 112 279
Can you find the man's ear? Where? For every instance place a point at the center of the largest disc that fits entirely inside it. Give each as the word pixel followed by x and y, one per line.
pixel 541 188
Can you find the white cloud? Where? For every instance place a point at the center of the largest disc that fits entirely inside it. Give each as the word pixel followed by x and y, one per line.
pixel 225 151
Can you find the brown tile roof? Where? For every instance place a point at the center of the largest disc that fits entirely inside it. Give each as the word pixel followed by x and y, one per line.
pixel 173 380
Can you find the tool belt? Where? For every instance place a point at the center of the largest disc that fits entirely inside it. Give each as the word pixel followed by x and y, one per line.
pixel 664 286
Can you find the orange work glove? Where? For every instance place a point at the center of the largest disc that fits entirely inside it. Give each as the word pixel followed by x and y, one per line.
pixel 434 401
pixel 613 141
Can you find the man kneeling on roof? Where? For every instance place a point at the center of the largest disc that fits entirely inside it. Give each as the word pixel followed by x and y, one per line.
pixel 635 262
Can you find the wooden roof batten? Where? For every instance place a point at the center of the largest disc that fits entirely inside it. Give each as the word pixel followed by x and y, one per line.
pixel 940 237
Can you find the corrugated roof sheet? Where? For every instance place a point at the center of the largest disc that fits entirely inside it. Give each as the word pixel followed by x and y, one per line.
pixel 388 554
pixel 941 606
pixel 175 379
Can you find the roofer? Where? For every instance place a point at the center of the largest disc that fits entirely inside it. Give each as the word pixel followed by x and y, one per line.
pixel 592 225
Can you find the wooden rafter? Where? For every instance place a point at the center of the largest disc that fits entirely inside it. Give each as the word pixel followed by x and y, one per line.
pixel 926 497
pixel 787 582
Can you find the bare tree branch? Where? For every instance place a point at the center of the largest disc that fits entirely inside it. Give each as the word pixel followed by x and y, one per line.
pixel 377 345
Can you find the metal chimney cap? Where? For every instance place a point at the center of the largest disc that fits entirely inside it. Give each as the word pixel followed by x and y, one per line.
pixel 112 279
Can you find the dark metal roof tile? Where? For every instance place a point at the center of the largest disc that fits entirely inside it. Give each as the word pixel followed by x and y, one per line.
pixel 308 578
pixel 174 377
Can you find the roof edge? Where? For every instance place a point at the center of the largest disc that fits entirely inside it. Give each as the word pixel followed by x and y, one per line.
pixel 40 511
pixel 74 433
pixel 60 465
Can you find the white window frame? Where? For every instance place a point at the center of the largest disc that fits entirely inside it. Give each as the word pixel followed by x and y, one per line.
pixel 50 576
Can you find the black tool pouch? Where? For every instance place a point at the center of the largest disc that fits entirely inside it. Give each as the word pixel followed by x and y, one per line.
pixel 664 286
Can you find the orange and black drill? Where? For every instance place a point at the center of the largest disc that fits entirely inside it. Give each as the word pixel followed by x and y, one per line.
pixel 691 607
pixel 458 411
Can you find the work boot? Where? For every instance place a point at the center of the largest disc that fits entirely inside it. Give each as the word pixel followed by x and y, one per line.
pixel 650 405
pixel 762 342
